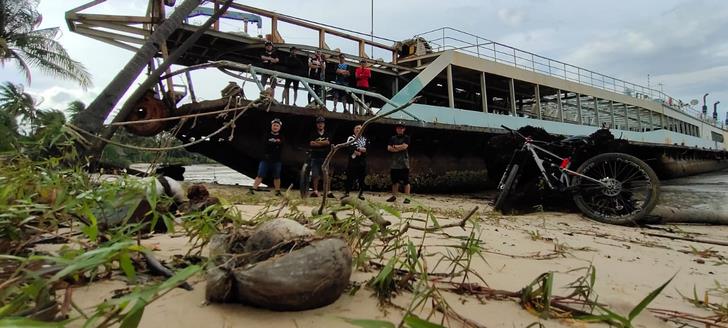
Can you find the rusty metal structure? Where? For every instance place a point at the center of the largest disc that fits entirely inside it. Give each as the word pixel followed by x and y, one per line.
pixel 468 85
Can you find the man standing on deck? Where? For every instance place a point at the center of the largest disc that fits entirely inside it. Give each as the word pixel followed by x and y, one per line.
pixel 320 143
pixel 399 172
pixel 299 68
pixel 342 79
pixel 271 161
pixel 362 74
pixel 269 58
pixel 316 71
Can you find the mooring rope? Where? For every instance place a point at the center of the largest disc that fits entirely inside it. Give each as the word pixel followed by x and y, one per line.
pixel 260 101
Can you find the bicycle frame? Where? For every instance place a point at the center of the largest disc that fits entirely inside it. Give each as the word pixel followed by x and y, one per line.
pixel 561 182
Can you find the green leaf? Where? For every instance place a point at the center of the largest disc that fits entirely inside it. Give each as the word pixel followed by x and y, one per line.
pixel 132 319
pixel 127 266
pixel 367 323
pixel 413 321
pixel 14 322
pixel 391 210
pixel 636 311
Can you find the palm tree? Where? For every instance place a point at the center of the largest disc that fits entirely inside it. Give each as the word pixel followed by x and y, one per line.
pixel 74 110
pixel 21 42
pixel 17 103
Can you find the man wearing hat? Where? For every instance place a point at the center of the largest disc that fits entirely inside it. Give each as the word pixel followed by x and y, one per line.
pixel 271 162
pixel 320 143
pixel 268 59
pixel 399 172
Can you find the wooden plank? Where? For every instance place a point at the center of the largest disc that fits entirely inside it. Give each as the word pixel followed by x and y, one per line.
pixel 104 34
pixel 114 43
pixel 114 18
pixel 116 26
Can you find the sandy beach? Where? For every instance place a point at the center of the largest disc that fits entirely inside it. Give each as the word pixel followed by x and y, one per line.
pixel 630 263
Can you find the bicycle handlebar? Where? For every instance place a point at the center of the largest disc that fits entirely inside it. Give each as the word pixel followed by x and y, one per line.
pixel 514 132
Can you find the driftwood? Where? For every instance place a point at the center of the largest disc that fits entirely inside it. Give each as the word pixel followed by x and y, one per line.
pixel 279 266
pixel 697 240
pixel 368 211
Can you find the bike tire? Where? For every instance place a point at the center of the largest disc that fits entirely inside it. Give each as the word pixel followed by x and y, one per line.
pixel 304 179
pixel 625 175
pixel 510 177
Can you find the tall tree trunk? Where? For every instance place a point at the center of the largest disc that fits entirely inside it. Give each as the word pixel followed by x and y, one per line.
pixel 93 117
pixel 153 77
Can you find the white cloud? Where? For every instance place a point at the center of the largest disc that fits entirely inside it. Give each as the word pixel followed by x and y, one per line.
pixel 511 16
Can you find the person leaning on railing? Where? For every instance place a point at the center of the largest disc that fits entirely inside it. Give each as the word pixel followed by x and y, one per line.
pixel 316 71
pixel 362 75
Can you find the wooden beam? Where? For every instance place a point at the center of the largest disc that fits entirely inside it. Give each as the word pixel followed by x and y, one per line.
pixel 116 26
pixel 104 34
pixel 112 18
pixel 483 92
pixel 114 43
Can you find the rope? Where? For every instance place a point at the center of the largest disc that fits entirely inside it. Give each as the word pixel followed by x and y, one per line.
pixel 263 99
pixel 176 117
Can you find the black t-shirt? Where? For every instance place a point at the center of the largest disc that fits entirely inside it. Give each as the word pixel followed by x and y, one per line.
pixel 320 151
pixel 297 65
pixel 400 160
pixel 273 146
pixel 266 53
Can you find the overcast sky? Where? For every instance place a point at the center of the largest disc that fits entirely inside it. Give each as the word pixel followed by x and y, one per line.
pixel 682 45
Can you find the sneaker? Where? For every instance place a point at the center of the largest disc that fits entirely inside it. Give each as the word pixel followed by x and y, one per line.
pixel 406 201
pixel 251 192
pixel 331 195
pixel 278 193
pixel 361 197
pixel 345 195
pixel 391 199
pixel 314 194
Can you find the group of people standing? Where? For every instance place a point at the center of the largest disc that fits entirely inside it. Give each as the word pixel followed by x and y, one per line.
pixel 320 142
pixel 315 69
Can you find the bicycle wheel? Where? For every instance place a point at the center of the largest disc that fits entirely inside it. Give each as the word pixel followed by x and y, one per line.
pixel 623 191
pixel 304 179
pixel 506 186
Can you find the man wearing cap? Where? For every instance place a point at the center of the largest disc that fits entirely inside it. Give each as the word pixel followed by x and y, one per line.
pixel 268 59
pixel 399 172
pixel 320 143
pixel 271 162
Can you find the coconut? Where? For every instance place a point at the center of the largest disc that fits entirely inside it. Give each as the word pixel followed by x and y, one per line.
pixel 281 266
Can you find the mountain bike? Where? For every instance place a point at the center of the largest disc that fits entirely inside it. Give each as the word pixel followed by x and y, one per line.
pixel 614 188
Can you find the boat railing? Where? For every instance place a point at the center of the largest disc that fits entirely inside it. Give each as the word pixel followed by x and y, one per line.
pixel 356 94
pixel 448 38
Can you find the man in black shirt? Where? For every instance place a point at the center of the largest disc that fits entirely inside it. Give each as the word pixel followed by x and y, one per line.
pixel 272 157
pixel 398 145
pixel 294 62
pixel 320 143
pixel 269 57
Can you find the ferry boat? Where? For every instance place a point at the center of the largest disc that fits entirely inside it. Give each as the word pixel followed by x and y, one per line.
pixel 466 87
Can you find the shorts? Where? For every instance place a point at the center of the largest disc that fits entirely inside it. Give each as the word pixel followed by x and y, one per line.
pixel 266 166
pixel 264 80
pixel 399 175
pixel 289 82
pixel 341 94
pixel 316 170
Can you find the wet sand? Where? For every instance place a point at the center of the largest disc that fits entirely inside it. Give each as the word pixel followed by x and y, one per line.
pixel 629 265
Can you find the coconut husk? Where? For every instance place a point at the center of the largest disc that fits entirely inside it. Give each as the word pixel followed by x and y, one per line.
pixel 307 278
pixel 281 266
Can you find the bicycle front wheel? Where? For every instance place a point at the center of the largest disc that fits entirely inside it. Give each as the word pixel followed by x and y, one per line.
pixel 304 179
pixel 615 188
pixel 508 182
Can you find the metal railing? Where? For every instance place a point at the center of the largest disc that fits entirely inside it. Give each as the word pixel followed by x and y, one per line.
pixel 447 38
